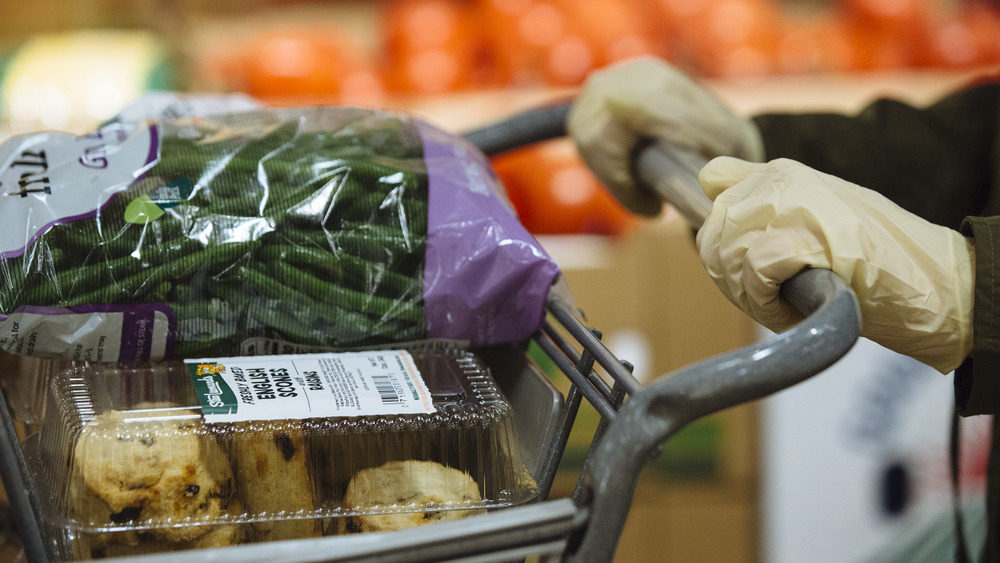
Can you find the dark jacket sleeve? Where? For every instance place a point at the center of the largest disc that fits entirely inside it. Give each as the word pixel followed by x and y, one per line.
pixel 936 162
pixel 977 381
pixel 939 162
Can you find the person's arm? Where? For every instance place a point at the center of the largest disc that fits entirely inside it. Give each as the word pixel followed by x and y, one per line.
pixel 977 380
pixel 913 275
pixel 937 162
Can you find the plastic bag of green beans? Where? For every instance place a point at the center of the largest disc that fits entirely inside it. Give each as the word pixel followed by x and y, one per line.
pixel 266 231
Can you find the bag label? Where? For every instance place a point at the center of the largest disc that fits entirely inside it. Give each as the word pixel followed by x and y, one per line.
pixel 300 386
pixel 52 178
pixel 127 333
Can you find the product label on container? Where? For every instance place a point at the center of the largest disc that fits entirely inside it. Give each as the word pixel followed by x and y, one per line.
pixel 300 386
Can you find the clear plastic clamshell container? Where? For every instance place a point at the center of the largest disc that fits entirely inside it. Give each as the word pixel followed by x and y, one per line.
pixel 156 457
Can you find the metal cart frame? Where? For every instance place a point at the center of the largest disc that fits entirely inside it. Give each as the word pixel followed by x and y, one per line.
pixel 635 419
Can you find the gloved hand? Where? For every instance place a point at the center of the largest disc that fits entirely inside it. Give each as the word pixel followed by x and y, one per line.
pixel 646 98
pixel 913 279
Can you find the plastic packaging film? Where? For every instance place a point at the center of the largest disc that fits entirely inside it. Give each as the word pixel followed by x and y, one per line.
pixel 265 231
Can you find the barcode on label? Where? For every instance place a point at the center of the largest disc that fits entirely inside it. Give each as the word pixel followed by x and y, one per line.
pixel 386 390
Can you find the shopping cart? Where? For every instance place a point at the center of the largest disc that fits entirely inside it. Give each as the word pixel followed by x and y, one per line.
pixel 635 419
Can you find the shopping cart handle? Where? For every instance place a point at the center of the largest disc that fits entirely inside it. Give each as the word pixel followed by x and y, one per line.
pixel 672 172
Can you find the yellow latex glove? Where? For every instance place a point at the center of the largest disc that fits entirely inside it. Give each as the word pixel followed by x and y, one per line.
pixel 646 98
pixel 913 279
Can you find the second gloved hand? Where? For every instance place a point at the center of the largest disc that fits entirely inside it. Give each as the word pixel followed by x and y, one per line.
pixel 913 279
pixel 647 99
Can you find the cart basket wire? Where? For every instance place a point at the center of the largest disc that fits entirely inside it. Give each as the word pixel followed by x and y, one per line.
pixel 635 419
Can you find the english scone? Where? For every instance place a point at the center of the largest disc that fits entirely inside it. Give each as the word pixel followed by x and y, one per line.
pixel 271 468
pixel 159 470
pixel 437 491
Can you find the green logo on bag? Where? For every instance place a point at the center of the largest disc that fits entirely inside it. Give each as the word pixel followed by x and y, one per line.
pixel 214 394
pixel 150 207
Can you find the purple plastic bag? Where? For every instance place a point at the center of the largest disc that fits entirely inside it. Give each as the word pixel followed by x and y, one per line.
pixel 486 278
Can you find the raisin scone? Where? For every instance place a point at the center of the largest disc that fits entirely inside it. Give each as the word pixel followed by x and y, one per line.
pixel 437 491
pixel 130 542
pixel 270 465
pixel 161 471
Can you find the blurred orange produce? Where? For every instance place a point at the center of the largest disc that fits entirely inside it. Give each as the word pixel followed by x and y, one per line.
pixel 814 45
pixel 725 37
pixel 558 42
pixel 434 47
pixel 969 37
pixel 554 192
pixel 308 65
pixel 431 46
pixel 520 34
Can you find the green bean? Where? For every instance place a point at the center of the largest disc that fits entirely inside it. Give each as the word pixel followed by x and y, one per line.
pixel 85 278
pixel 343 268
pixel 264 311
pixel 325 292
